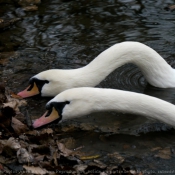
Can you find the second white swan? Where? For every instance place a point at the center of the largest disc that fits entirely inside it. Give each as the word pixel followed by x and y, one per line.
pixel 78 102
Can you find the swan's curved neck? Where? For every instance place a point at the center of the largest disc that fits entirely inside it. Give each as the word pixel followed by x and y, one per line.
pixel 155 69
pixel 132 103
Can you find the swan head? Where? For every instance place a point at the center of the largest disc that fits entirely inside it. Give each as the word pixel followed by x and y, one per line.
pixel 48 83
pixel 67 105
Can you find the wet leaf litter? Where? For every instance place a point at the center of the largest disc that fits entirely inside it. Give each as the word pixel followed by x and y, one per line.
pixel 38 151
pixel 43 151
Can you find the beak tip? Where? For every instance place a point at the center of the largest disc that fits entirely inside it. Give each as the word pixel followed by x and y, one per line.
pixel 19 94
pixel 36 124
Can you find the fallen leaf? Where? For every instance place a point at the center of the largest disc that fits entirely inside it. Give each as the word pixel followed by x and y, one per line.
pixel 55 157
pixel 103 173
pixel 13 143
pixel 47 131
pixel 23 137
pixel 18 126
pixel 6 22
pixel 10 147
pixel 28 2
pixel 89 157
pixel 23 156
pixel 35 170
pixel 125 146
pixel 171 7
pixel 80 168
pixel 64 151
pixel 69 143
pixel 1 20
pixel 156 148
pixel 87 127
pixel 117 156
pixel 13 95
pixel 39 158
pixel 33 133
pixel 164 153
pixel 14 103
pixel 30 8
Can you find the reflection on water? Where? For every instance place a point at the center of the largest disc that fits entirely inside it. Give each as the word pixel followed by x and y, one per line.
pixel 69 34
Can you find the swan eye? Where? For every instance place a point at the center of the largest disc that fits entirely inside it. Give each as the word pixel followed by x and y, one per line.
pixel 49 106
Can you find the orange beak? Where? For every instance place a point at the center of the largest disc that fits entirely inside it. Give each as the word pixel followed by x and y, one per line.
pixel 28 93
pixel 46 119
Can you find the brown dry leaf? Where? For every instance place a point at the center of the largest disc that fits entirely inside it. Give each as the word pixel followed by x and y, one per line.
pixel 33 133
pixel 39 158
pixel 1 20
pixel 13 95
pixel 34 170
pixel 64 151
pixel 7 22
pixel 13 143
pixel 80 168
pixel 18 126
pixel 98 163
pixel 69 143
pixel 23 156
pixel 55 157
pixel 23 137
pixel 89 157
pixel 117 156
pixel 164 153
pixel 68 128
pixel 28 2
pixel 87 126
pixel 10 146
pixel 14 103
pixel 171 7
pixel 156 148
pixel 103 173
pixel 126 146
pixel 47 131
pixel 30 8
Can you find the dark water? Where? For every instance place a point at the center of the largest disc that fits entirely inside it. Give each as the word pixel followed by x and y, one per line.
pixel 69 34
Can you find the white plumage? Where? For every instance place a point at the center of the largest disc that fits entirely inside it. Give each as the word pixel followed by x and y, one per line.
pixel 154 68
pixel 86 100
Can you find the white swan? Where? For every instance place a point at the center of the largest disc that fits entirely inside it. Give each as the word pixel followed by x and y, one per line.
pixel 155 69
pixel 77 102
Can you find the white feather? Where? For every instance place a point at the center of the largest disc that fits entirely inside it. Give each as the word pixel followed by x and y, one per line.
pixel 155 69
pixel 87 100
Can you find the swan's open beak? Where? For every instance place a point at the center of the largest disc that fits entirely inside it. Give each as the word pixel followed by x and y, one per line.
pixel 28 92
pixel 45 119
